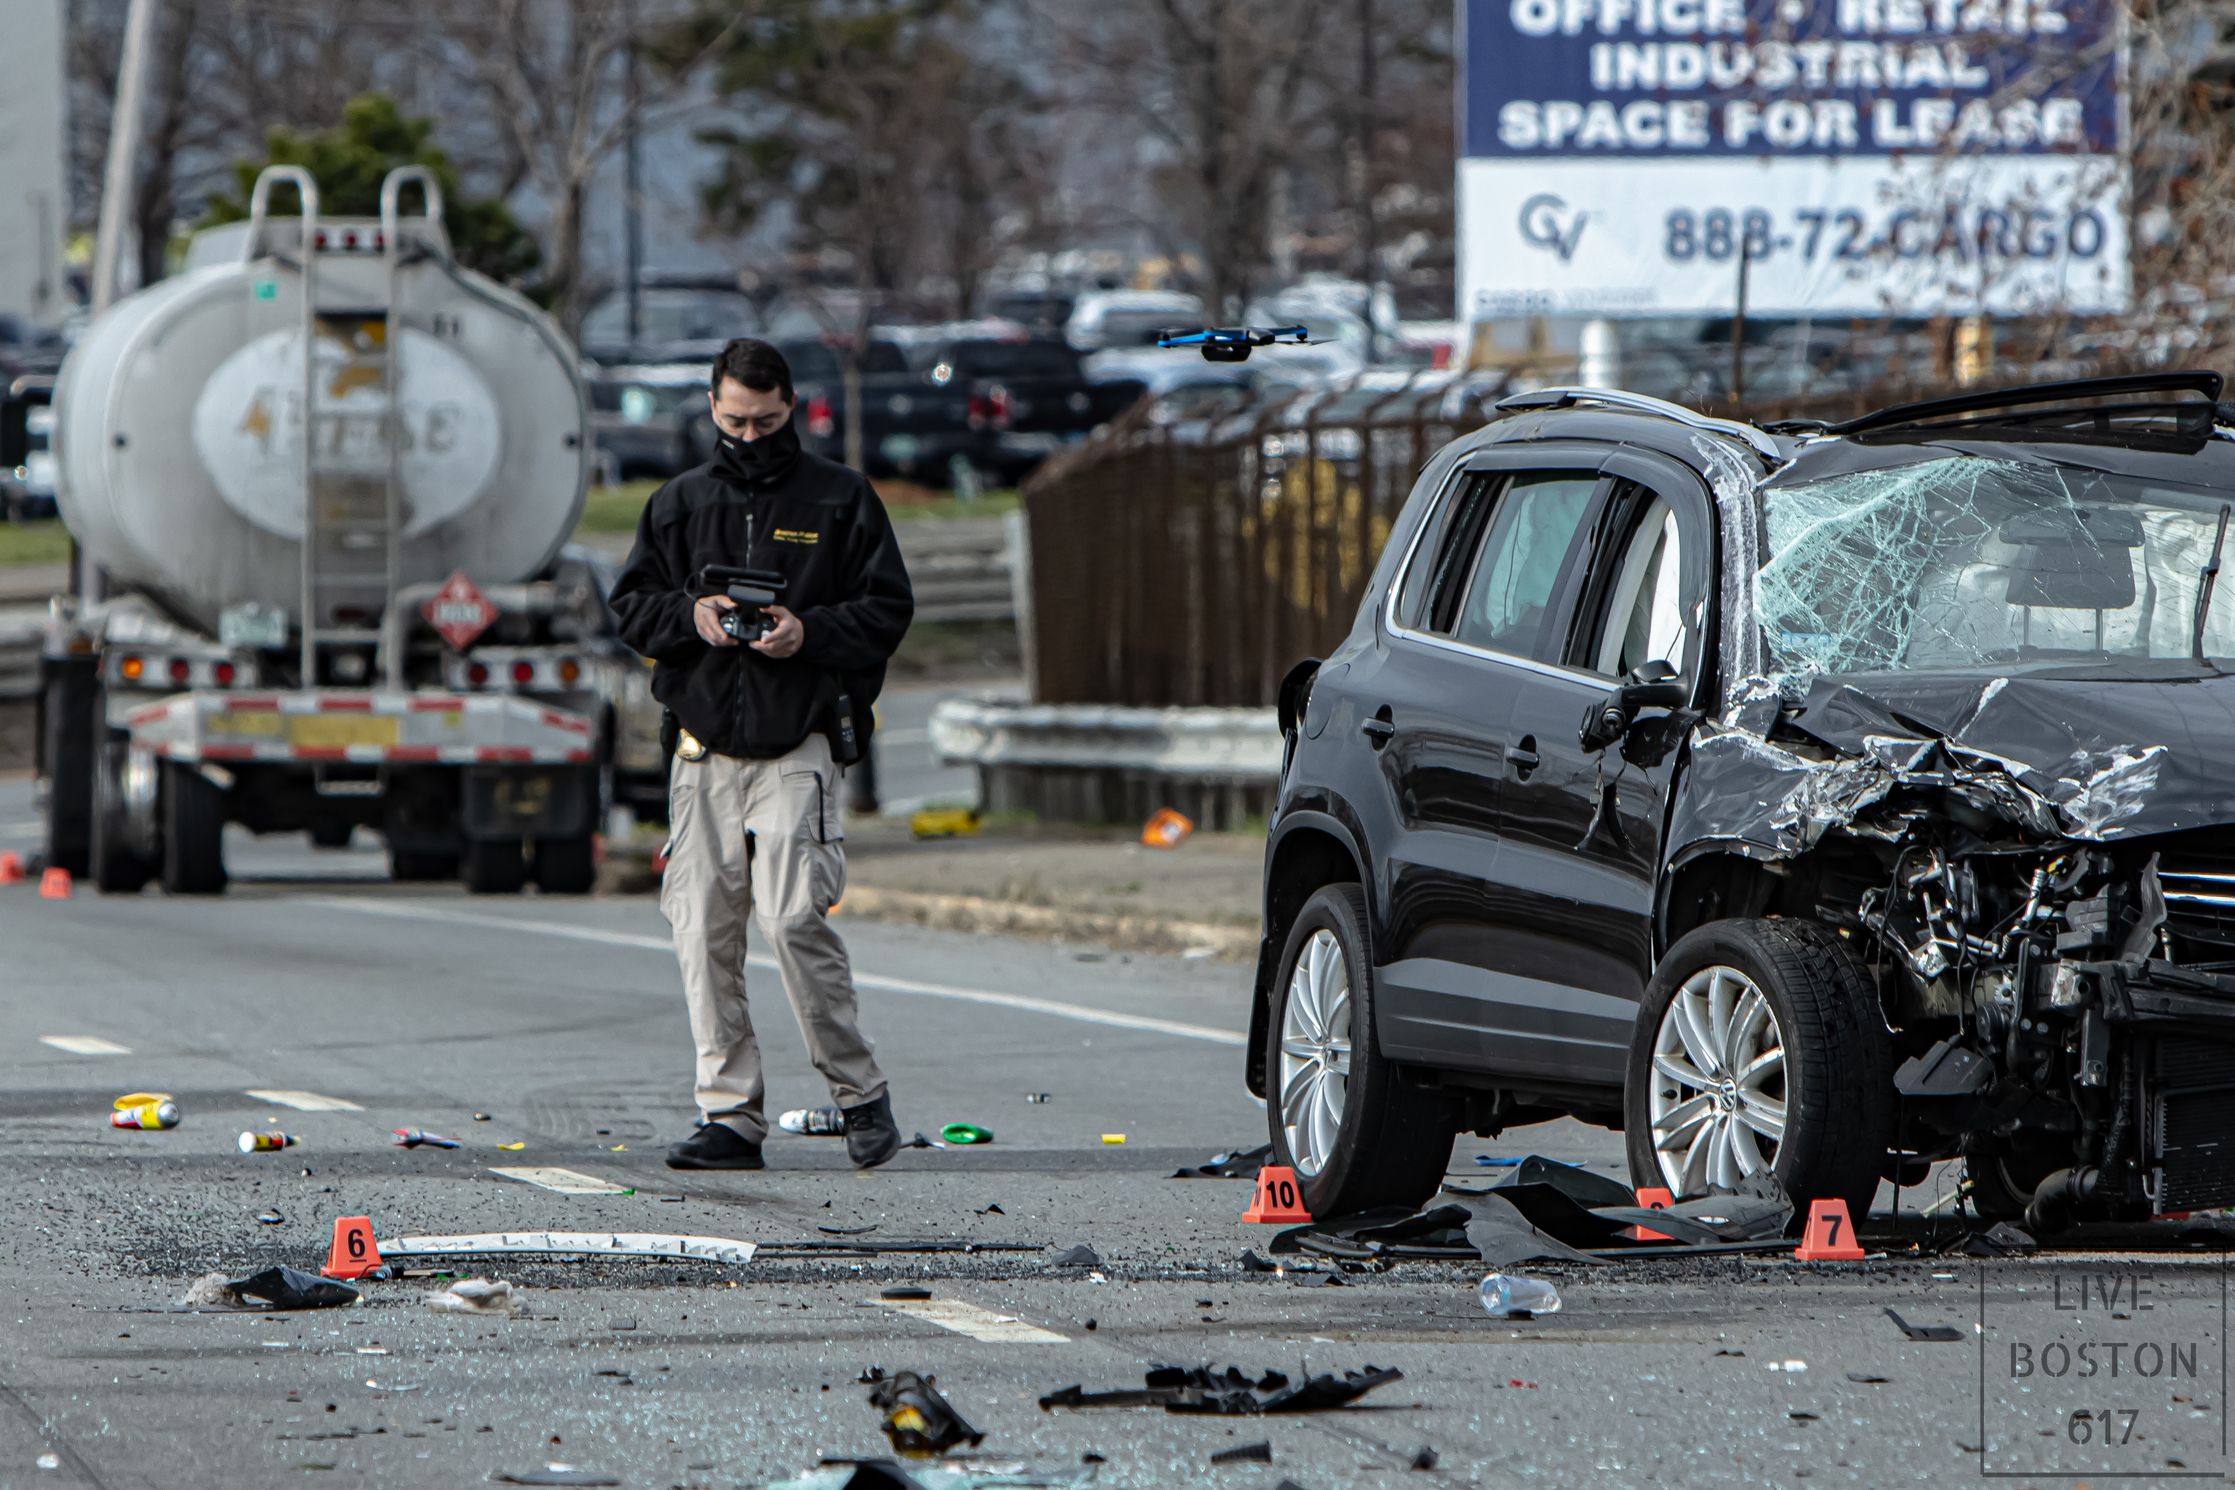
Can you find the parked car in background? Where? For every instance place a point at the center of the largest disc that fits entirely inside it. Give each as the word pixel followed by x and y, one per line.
pixel 686 320
pixel 1042 312
pixel 1024 397
pixel 27 484
pixel 910 426
pixel 1107 319
pixel 651 421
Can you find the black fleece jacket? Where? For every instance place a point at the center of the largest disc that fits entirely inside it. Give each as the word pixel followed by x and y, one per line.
pixel 821 525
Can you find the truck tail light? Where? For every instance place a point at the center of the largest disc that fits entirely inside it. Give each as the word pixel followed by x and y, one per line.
pixel 570 671
pixel 132 667
pixel 822 423
pixel 523 672
pixel 477 675
pixel 990 409
pixel 224 673
pixel 179 669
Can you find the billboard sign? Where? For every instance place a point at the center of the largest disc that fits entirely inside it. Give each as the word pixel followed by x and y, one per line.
pixel 1862 157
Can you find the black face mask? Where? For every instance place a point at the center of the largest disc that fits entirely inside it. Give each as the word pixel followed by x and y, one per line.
pixel 755 462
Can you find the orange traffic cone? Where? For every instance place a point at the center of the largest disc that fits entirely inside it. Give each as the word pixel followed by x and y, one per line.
pixel 1279 1200
pixel 1652 1198
pixel 1830 1236
pixel 1166 829
pixel 54 885
pixel 354 1253
pixel 11 869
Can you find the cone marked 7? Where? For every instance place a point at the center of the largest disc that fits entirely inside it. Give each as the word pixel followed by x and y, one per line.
pixel 1830 1236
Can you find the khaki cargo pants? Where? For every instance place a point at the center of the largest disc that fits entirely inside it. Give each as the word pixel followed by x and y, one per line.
pixel 762 836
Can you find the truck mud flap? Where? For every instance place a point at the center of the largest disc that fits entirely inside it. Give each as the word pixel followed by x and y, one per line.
pixel 528 801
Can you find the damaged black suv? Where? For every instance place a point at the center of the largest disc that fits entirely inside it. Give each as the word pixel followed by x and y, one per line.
pixel 1831 799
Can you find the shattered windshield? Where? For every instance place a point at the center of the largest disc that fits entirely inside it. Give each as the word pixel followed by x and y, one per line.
pixel 1966 562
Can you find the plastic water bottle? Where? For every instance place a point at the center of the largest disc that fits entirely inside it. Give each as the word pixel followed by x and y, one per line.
pixel 1510 1295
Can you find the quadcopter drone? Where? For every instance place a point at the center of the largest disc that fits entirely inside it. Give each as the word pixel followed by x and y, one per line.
pixel 1234 343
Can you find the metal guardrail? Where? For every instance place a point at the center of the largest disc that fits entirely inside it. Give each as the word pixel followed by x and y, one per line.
pixel 961 569
pixel 20 636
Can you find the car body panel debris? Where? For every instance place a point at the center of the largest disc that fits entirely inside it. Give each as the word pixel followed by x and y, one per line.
pixel 1245 1453
pixel 1230 1392
pixel 1236 1164
pixel 918 1419
pixel 1939 1334
pixel 1081 1256
pixel 664 1245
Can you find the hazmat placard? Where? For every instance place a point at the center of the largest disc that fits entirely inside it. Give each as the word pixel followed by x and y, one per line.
pixel 1860 157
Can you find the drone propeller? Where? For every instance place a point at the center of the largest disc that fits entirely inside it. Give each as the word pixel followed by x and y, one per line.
pixel 1234 343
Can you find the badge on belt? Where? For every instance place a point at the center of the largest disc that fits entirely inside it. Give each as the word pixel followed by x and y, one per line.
pixel 688 747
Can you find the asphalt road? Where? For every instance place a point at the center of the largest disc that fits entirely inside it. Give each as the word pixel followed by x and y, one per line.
pixel 562 1022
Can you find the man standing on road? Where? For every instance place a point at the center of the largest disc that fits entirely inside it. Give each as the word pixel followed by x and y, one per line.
pixel 761 729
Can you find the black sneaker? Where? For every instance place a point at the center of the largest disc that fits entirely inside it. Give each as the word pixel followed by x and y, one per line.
pixel 716 1146
pixel 871 1138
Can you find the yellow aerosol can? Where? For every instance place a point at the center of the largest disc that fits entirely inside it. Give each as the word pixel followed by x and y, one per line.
pixel 159 1112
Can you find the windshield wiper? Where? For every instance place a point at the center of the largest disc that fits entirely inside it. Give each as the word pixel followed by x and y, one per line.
pixel 2210 579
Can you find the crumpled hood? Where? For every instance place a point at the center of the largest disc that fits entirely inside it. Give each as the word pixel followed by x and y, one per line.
pixel 2091 754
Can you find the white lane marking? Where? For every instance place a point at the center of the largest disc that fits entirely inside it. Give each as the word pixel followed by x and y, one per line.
pixel 977 1323
pixel 564 1181
pixel 20 830
pixel 305 1101
pixel 909 986
pixel 85 1045
pixel 903 736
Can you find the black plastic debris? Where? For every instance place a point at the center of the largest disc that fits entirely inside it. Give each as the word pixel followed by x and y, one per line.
pixel 846 1230
pixel 905 1291
pixel 881 1474
pixel 1252 1263
pixel 1229 1391
pixel 1245 1453
pixel 2000 1240
pixel 1425 1458
pixel 1868 1379
pixel 1081 1256
pixel 1939 1334
pixel 552 1477
pixel 991 1210
pixel 1236 1164
pixel 917 1419
pixel 870 1375
pixel 290 1288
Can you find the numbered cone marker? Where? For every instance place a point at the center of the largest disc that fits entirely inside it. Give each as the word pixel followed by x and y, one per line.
pixel 1830 1236
pixel 1652 1198
pixel 354 1253
pixel 1279 1200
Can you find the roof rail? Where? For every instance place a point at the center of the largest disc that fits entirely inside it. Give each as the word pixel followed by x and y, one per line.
pixel 1639 403
pixel 2198 380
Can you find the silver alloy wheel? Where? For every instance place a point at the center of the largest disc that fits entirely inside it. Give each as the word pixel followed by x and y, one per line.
pixel 1720 1086
pixel 1315 1053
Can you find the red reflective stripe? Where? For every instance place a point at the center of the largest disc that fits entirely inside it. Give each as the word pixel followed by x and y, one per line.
pixel 345 705
pixel 437 705
pixel 578 755
pixel 415 752
pixel 228 752
pixel 146 712
pixel 322 752
pixel 252 704
pixel 567 722
pixel 504 753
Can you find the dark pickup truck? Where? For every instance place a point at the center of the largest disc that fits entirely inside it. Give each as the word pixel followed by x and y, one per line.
pixel 910 426
pixel 1028 397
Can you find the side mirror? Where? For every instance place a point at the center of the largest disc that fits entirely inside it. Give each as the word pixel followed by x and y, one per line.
pixel 1653 685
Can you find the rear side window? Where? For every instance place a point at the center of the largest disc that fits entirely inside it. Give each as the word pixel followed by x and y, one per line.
pixel 1453 531
pixel 1533 527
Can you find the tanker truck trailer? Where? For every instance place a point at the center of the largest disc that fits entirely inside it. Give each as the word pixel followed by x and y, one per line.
pixel 329 476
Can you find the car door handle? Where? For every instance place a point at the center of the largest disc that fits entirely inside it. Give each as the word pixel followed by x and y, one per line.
pixel 1380 729
pixel 1524 757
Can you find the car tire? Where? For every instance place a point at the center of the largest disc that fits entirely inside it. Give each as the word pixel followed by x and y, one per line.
pixel 494 866
pixel 1392 1139
pixel 1818 1066
pixel 193 832
pixel 566 866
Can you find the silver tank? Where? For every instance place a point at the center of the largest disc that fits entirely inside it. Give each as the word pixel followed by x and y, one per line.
pixel 178 421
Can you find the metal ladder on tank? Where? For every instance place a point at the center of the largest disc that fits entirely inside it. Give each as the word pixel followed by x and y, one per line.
pixel 344 523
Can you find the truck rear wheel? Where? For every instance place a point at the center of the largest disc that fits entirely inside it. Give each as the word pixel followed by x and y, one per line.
pixel 116 867
pixel 494 866
pixel 566 866
pixel 69 713
pixel 193 832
